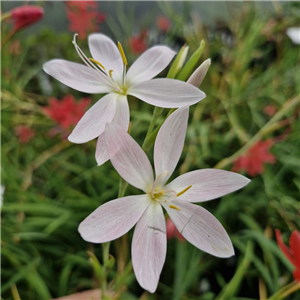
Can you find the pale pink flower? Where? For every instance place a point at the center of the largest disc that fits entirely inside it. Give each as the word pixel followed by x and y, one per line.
pixel 173 232
pixel 106 73
pixel 197 225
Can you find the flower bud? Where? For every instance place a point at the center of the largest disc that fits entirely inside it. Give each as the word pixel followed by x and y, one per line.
pixel 26 15
pixel 197 77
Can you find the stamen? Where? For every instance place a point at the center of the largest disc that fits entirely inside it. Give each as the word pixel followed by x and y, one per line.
pixel 110 72
pixel 104 78
pixel 97 62
pixel 122 53
pixel 174 207
pixel 183 191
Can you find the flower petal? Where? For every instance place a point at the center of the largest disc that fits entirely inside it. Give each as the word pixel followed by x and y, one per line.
pixel 170 141
pixel 113 219
pixel 93 122
pixel 122 119
pixel 164 92
pixel 207 184
pixel 285 249
pixel 128 158
pixel 105 51
pixel 122 114
pixel 76 76
pixel 149 64
pixel 295 246
pixel 149 246
pixel 101 154
pixel 200 228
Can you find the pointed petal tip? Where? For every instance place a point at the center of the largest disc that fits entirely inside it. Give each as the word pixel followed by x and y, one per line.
pixel 208 61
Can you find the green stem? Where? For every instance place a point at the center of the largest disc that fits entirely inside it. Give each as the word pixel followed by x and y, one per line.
pixel 122 187
pixel 5 16
pixel 285 291
pixel 156 113
pixel 105 250
pixel 8 37
pixel 232 287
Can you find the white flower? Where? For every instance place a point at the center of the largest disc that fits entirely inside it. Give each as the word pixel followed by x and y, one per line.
pixel 294 34
pixel 106 73
pixel 197 225
pixel 2 190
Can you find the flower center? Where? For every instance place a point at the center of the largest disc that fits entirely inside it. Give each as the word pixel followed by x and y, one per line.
pixel 104 76
pixel 163 196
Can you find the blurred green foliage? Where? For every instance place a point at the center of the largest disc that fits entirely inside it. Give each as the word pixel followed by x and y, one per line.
pixel 51 185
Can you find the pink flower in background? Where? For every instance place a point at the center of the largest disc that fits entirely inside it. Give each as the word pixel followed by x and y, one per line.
pixel 292 253
pixel 138 44
pixel 26 15
pixel 197 225
pixel 82 5
pixel 163 24
pixel 83 17
pixel 253 161
pixel 270 110
pixel 24 133
pixel 66 112
pixel 173 232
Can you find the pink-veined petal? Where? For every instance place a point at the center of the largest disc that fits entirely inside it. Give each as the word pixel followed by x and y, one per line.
pixel 207 184
pixel 93 122
pixel 128 158
pixel 149 64
pixel 169 142
pixel 164 92
pixel 113 219
pixel 77 76
pixel 122 114
pixel 101 154
pixel 122 119
pixel 200 228
pixel 105 51
pixel 149 246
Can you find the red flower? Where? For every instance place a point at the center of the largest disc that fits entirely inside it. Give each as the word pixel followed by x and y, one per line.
pixel 138 44
pixel 270 110
pixel 292 253
pixel 67 112
pixel 253 161
pixel 83 17
pixel 24 133
pixel 173 232
pixel 26 15
pixel 82 5
pixel 163 24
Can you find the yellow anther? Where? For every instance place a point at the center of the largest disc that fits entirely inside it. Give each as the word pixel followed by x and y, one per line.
pixel 122 53
pixel 110 72
pixel 174 207
pixel 97 62
pixel 182 192
pixel 129 128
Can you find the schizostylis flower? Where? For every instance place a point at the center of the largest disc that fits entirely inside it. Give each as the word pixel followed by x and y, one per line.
pixel 106 73
pixel 197 225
